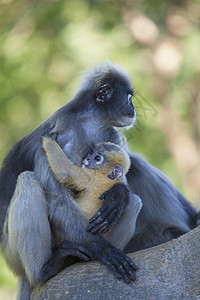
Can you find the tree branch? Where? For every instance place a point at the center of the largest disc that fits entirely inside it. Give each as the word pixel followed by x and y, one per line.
pixel 168 271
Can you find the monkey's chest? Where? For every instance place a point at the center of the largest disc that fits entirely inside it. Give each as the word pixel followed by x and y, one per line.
pixel 89 202
pixel 88 199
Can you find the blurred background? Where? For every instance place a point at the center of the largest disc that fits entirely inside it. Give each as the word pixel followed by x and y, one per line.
pixel 45 46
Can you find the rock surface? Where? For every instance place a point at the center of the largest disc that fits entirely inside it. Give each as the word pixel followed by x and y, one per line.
pixel 168 271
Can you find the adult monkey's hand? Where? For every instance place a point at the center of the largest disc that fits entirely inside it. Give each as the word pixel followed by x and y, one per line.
pixel 116 201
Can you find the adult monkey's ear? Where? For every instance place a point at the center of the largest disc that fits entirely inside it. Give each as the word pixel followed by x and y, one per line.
pixel 104 93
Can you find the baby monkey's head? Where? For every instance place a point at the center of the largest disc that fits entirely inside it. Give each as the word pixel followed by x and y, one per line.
pixel 109 158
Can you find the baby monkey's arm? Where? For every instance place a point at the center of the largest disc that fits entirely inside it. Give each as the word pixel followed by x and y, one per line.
pixel 62 167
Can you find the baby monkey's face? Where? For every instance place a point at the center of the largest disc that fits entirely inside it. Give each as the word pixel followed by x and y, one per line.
pixel 104 159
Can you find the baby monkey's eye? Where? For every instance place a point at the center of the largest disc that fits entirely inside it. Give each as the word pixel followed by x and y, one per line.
pixel 99 159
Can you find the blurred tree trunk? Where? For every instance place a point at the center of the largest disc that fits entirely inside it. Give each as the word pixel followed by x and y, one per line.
pixel 182 143
pixel 168 271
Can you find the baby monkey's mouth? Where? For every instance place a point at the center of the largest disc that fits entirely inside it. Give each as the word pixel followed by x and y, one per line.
pixel 116 173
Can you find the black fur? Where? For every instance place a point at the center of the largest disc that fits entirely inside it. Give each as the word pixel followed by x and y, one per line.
pixel 166 213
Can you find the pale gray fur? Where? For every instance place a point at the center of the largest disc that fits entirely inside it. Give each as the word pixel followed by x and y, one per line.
pixel 123 231
pixel 27 213
pixel 23 290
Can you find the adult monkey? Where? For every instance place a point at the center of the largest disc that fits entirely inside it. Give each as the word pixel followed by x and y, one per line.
pixel 104 101
pixel 28 240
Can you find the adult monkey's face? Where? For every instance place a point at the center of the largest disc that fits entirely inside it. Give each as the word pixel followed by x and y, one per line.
pixel 114 100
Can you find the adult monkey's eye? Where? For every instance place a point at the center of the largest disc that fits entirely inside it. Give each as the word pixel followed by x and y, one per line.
pixel 104 93
pixel 130 97
pixel 99 159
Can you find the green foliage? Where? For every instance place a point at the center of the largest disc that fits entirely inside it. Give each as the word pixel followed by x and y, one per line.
pixel 7 279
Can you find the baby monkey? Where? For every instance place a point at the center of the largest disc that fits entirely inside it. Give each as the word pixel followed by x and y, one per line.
pixel 106 165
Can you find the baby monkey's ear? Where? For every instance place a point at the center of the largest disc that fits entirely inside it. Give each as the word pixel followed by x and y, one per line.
pixel 116 173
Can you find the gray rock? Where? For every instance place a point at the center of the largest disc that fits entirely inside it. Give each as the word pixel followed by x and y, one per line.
pixel 168 271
